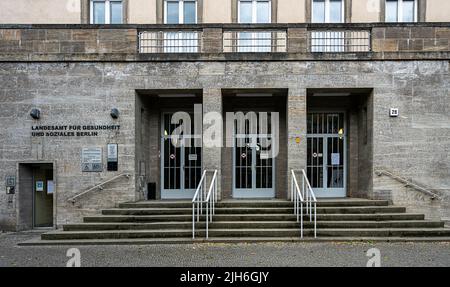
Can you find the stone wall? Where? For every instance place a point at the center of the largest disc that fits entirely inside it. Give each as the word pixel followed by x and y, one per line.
pixel 82 92
pixel 410 39
pixel 51 44
pixel 66 94
pixel 120 42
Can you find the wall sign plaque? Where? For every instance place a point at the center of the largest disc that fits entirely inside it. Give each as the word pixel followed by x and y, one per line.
pixel 112 158
pixel 10 183
pixel 91 159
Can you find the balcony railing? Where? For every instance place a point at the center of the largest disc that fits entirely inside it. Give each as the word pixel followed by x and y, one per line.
pixel 170 42
pixel 254 41
pixel 226 42
pixel 339 41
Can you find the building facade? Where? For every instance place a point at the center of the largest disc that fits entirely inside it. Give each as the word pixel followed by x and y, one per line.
pixel 217 11
pixel 92 92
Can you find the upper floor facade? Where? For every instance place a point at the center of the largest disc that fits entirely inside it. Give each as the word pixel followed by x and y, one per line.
pixel 221 11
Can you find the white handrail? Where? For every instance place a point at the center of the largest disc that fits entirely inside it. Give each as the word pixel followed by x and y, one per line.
pixel 209 200
pixel 304 195
pixel 99 186
pixel 408 183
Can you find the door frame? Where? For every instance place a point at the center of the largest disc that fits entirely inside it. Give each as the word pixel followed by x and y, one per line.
pixel 337 192
pixel 28 223
pixel 252 192
pixel 174 193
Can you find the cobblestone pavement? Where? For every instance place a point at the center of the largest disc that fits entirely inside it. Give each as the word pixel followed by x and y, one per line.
pixel 228 255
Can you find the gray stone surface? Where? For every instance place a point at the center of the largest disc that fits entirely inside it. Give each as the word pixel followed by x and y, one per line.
pixel 226 255
pixel 415 145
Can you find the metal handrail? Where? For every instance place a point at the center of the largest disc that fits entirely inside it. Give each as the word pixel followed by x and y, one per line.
pixel 99 186
pixel 305 195
pixel 209 200
pixel 408 183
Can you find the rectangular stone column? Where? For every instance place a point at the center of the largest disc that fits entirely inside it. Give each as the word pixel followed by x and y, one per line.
pixel 212 155
pixel 296 130
pixel 297 40
pixel 212 40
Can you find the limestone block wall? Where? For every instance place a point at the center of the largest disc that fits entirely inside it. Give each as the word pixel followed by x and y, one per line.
pixel 77 85
pixel 49 43
pixel 70 94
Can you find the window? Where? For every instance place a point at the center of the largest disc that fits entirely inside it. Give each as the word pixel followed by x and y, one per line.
pixel 254 11
pixel 106 11
pixel 180 12
pixel 401 11
pixel 328 11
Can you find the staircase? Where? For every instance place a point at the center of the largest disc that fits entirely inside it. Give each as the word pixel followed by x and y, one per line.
pixel 248 221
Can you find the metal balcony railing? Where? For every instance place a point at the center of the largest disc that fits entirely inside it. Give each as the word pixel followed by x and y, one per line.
pixel 170 42
pixel 199 39
pixel 254 41
pixel 339 41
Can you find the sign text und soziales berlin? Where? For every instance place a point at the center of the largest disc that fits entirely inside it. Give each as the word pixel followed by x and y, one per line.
pixel 71 130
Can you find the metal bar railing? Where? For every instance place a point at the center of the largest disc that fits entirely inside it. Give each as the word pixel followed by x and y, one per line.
pixel 303 196
pixel 98 186
pixel 170 41
pixel 339 41
pixel 408 183
pixel 254 41
pixel 204 201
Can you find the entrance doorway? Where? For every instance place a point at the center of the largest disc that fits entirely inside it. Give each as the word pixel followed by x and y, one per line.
pixel 253 165
pixel 36 190
pixel 327 153
pixel 181 165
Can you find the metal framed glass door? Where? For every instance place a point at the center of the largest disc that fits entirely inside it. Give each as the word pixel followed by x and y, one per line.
pixel 253 165
pixel 327 154
pixel 181 166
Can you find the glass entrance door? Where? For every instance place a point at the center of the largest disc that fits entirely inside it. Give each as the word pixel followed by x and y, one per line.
pixel 327 154
pixel 254 167
pixel 180 164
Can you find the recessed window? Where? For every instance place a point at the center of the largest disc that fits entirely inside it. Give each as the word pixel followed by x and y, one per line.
pixel 327 11
pixel 401 10
pixel 106 11
pixel 180 12
pixel 254 11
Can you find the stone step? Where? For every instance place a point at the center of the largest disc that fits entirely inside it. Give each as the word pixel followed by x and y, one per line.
pixel 255 210
pixel 224 240
pixel 255 203
pixel 258 232
pixel 384 232
pixel 254 217
pixel 253 224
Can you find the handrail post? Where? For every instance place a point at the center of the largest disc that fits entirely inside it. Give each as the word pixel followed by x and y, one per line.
pixel 292 186
pixel 207 220
pixel 315 219
pixel 310 206
pixel 301 220
pixel 193 220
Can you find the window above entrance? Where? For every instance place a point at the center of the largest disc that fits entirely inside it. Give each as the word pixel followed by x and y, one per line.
pixel 106 11
pixel 328 11
pixel 180 12
pixel 401 10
